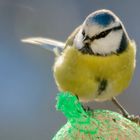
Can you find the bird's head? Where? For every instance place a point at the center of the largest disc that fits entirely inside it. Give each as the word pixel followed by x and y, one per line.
pixel 102 33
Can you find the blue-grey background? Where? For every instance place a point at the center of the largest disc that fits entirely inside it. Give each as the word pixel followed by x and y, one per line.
pixel 27 87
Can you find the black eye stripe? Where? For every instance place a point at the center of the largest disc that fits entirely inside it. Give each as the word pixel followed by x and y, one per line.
pixel 83 32
pixel 117 28
pixel 102 34
pixel 105 33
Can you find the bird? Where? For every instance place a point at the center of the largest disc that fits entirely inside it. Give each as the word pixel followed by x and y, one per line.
pixel 98 60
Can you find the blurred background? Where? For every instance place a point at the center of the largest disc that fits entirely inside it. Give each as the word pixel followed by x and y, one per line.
pixel 27 87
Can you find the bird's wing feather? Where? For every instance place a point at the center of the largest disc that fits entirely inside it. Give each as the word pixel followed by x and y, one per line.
pixel 46 43
pixel 51 44
pixel 70 39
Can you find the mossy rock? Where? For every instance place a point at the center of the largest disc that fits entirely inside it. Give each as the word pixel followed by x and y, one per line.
pixel 93 125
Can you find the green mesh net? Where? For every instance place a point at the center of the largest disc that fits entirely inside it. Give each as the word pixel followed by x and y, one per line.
pixel 92 125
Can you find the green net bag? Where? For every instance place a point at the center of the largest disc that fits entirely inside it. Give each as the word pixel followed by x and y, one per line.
pixel 92 125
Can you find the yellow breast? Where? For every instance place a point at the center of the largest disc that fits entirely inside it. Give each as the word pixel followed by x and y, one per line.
pixel 80 73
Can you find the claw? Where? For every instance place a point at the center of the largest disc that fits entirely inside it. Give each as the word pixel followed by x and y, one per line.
pixel 132 118
pixel 135 119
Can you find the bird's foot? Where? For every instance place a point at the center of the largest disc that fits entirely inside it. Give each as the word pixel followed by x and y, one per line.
pixel 86 108
pixel 133 118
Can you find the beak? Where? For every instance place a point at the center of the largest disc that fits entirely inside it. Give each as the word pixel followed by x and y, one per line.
pixel 86 39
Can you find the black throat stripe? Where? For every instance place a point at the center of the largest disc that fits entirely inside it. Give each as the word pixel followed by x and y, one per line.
pixel 123 44
pixel 102 86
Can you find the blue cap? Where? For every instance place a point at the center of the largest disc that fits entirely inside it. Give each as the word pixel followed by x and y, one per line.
pixel 102 18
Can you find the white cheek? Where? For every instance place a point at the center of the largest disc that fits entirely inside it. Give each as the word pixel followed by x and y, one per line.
pixel 78 40
pixel 108 44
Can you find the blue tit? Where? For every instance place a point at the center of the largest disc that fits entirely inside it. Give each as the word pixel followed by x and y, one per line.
pixel 98 60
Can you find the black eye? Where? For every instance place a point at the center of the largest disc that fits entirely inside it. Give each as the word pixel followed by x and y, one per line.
pixel 83 33
pixel 103 34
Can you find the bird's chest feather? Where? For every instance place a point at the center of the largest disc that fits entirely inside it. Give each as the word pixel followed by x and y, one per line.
pixel 108 67
pixel 80 73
